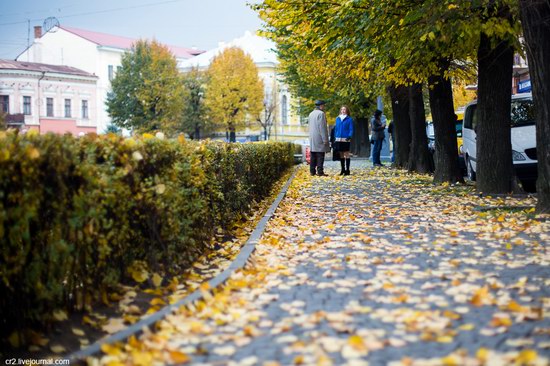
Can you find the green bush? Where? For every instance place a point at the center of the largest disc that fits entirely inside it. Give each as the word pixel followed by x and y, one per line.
pixel 78 215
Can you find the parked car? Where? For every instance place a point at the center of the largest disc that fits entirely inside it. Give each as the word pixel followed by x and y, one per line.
pixel 458 126
pixel 524 142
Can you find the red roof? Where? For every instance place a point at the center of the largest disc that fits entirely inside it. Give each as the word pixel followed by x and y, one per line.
pixel 33 66
pixel 110 40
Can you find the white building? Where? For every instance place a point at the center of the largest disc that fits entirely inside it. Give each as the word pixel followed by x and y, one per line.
pixel 99 54
pixel 286 124
pixel 48 98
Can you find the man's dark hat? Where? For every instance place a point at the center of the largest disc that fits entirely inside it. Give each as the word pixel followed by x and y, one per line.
pixel 320 102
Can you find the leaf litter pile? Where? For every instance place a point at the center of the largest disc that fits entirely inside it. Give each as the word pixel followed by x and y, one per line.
pixel 377 268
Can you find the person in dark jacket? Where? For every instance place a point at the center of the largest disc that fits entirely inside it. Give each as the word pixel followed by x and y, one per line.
pixel 343 132
pixel 378 136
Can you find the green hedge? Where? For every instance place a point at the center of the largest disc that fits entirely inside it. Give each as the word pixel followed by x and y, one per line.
pixel 78 215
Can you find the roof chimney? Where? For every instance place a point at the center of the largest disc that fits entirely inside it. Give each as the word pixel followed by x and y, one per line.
pixel 37 31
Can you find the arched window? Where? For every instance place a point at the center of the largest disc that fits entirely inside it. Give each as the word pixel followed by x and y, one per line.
pixel 284 110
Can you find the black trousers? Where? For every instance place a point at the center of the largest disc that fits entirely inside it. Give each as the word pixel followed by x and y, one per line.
pixel 316 163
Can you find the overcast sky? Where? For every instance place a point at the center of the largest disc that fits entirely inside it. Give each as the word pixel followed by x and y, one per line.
pixel 186 23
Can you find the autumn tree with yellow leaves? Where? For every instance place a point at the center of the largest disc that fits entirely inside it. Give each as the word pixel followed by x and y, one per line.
pixel 234 93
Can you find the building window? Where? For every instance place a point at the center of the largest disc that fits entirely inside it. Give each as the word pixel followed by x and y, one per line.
pixel 85 109
pixel 27 106
pixel 284 107
pixel 5 103
pixel 110 72
pixel 49 107
pixel 67 108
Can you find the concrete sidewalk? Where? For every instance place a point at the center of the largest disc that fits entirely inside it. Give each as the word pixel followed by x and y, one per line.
pixel 376 268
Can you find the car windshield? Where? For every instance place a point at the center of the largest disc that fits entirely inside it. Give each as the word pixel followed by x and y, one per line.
pixel 523 112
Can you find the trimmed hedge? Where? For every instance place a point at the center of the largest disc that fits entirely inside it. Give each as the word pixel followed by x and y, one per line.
pixel 78 215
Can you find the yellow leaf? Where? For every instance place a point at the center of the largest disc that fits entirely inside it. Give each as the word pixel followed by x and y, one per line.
pixel 160 188
pixel 156 301
pixel 60 315
pixel 87 320
pixel 33 153
pixel 482 354
pixel 15 339
pixel 444 339
pixel 501 321
pixel 451 315
pixel 114 325
pixel 357 343
pixel 58 349
pixel 516 308
pixel 110 350
pixel 179 357
pixel 450 361
pixel 299 360
pixel 157 279
pixel 468 326
pixel 479 296
pixel 78 332
pixel 526 356
pixel 142 358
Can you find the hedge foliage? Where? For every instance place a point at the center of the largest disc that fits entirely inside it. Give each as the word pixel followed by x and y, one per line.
pixel 77 215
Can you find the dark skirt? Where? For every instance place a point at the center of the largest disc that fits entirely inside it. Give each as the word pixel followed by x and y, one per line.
pixel 342 146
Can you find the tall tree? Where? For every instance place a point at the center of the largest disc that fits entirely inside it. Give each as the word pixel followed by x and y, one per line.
pixel 420 159
pixel 146 93
pixel 535 16
pixel 402 124
pixel 266 117
pixel 234 91
pixel 193 119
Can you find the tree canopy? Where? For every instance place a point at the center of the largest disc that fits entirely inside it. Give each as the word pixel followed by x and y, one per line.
pixel 147 92
pixel 234 91
pixel 193 120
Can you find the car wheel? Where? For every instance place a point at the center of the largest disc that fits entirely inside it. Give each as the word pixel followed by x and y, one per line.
pixel 470 171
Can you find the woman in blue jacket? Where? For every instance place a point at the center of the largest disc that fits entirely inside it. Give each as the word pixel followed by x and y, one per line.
pixel 343 131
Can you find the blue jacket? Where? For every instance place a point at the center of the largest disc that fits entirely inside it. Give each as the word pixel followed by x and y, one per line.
pixel 343 129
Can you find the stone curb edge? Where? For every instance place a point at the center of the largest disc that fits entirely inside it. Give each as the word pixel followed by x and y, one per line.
pixel 238 262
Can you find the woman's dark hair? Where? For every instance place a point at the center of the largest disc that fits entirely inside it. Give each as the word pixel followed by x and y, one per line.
pixel 377 113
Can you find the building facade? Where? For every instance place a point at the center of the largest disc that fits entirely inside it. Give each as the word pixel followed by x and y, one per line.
pixel 97 53
pixel 286 124
pixel 48 98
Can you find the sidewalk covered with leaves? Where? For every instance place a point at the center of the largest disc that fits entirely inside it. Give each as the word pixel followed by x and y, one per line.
pixel 380 267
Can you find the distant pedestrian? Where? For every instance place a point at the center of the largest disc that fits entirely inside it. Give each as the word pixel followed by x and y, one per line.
pixel 378 136
pixel 318 138
pixel 391 131
pixel 343 132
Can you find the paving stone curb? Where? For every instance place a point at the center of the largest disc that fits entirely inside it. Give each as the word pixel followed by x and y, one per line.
pixel 239 262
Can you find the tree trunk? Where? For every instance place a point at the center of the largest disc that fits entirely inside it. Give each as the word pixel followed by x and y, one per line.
pixel 420 159
pixel 402 128
pixel 232 134
pixel 494 147
pixel 535 17
pixel 360 143
pixel 443 114
pixel 197 134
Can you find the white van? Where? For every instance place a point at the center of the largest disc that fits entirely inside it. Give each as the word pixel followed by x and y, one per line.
pixel 524 142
